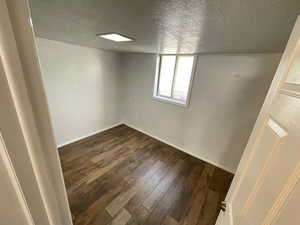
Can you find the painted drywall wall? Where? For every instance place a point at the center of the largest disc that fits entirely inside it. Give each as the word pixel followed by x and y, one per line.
pixel 89 90
pixel 82 86
pixel 227 93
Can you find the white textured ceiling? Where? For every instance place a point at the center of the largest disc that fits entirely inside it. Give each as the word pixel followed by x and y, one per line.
pixel 169 26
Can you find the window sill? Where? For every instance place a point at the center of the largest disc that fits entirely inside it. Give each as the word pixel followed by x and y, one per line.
pixel 171 101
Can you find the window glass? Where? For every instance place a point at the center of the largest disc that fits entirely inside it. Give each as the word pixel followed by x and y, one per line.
pixel 183 75
pixel 167 68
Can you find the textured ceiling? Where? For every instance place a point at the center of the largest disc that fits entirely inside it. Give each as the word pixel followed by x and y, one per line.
pixel 170 26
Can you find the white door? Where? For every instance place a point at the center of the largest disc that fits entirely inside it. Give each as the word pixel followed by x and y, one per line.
pixel 266 188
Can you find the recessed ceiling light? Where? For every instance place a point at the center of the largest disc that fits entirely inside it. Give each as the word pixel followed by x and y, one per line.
pixel 115 37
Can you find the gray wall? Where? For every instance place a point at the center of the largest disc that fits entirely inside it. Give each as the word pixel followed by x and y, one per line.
pixel 227 93
pixel 82 86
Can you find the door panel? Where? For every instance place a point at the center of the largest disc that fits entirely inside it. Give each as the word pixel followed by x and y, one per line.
pixel 291 210
pixel 276 135
pixel 294 70
pixel 268 189
pixel 285 109
pixel 268 140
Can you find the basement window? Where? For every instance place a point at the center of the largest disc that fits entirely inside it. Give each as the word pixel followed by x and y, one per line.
pixel 173 80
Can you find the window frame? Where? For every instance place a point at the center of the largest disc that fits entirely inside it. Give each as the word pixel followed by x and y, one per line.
pixel 167 99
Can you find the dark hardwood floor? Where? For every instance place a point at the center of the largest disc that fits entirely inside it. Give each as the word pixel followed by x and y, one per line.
pixel 122 176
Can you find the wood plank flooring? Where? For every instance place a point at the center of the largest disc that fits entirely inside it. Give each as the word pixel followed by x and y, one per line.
pixel 122 176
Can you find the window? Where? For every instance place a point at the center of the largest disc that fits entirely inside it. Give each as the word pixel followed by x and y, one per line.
pixel 174 78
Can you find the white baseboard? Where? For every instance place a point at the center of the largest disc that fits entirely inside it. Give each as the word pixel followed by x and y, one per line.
pixel 179 148
pixel 88 135
pixel 151 135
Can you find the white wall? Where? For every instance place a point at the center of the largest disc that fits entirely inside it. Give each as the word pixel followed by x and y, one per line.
pixel 83 88
pixel 89 90
pixel 227 93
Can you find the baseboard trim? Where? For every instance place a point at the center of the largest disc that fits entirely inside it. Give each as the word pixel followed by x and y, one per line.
pixel 151 135
pixel 88 135
pixel 179 148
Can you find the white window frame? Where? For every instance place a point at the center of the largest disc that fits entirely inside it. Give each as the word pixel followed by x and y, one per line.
pixel 158 97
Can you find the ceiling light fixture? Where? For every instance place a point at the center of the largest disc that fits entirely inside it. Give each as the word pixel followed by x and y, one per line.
pixel 115 37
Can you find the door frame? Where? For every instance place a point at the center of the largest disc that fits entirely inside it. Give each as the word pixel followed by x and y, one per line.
pixel 22 78
pixel 19 202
